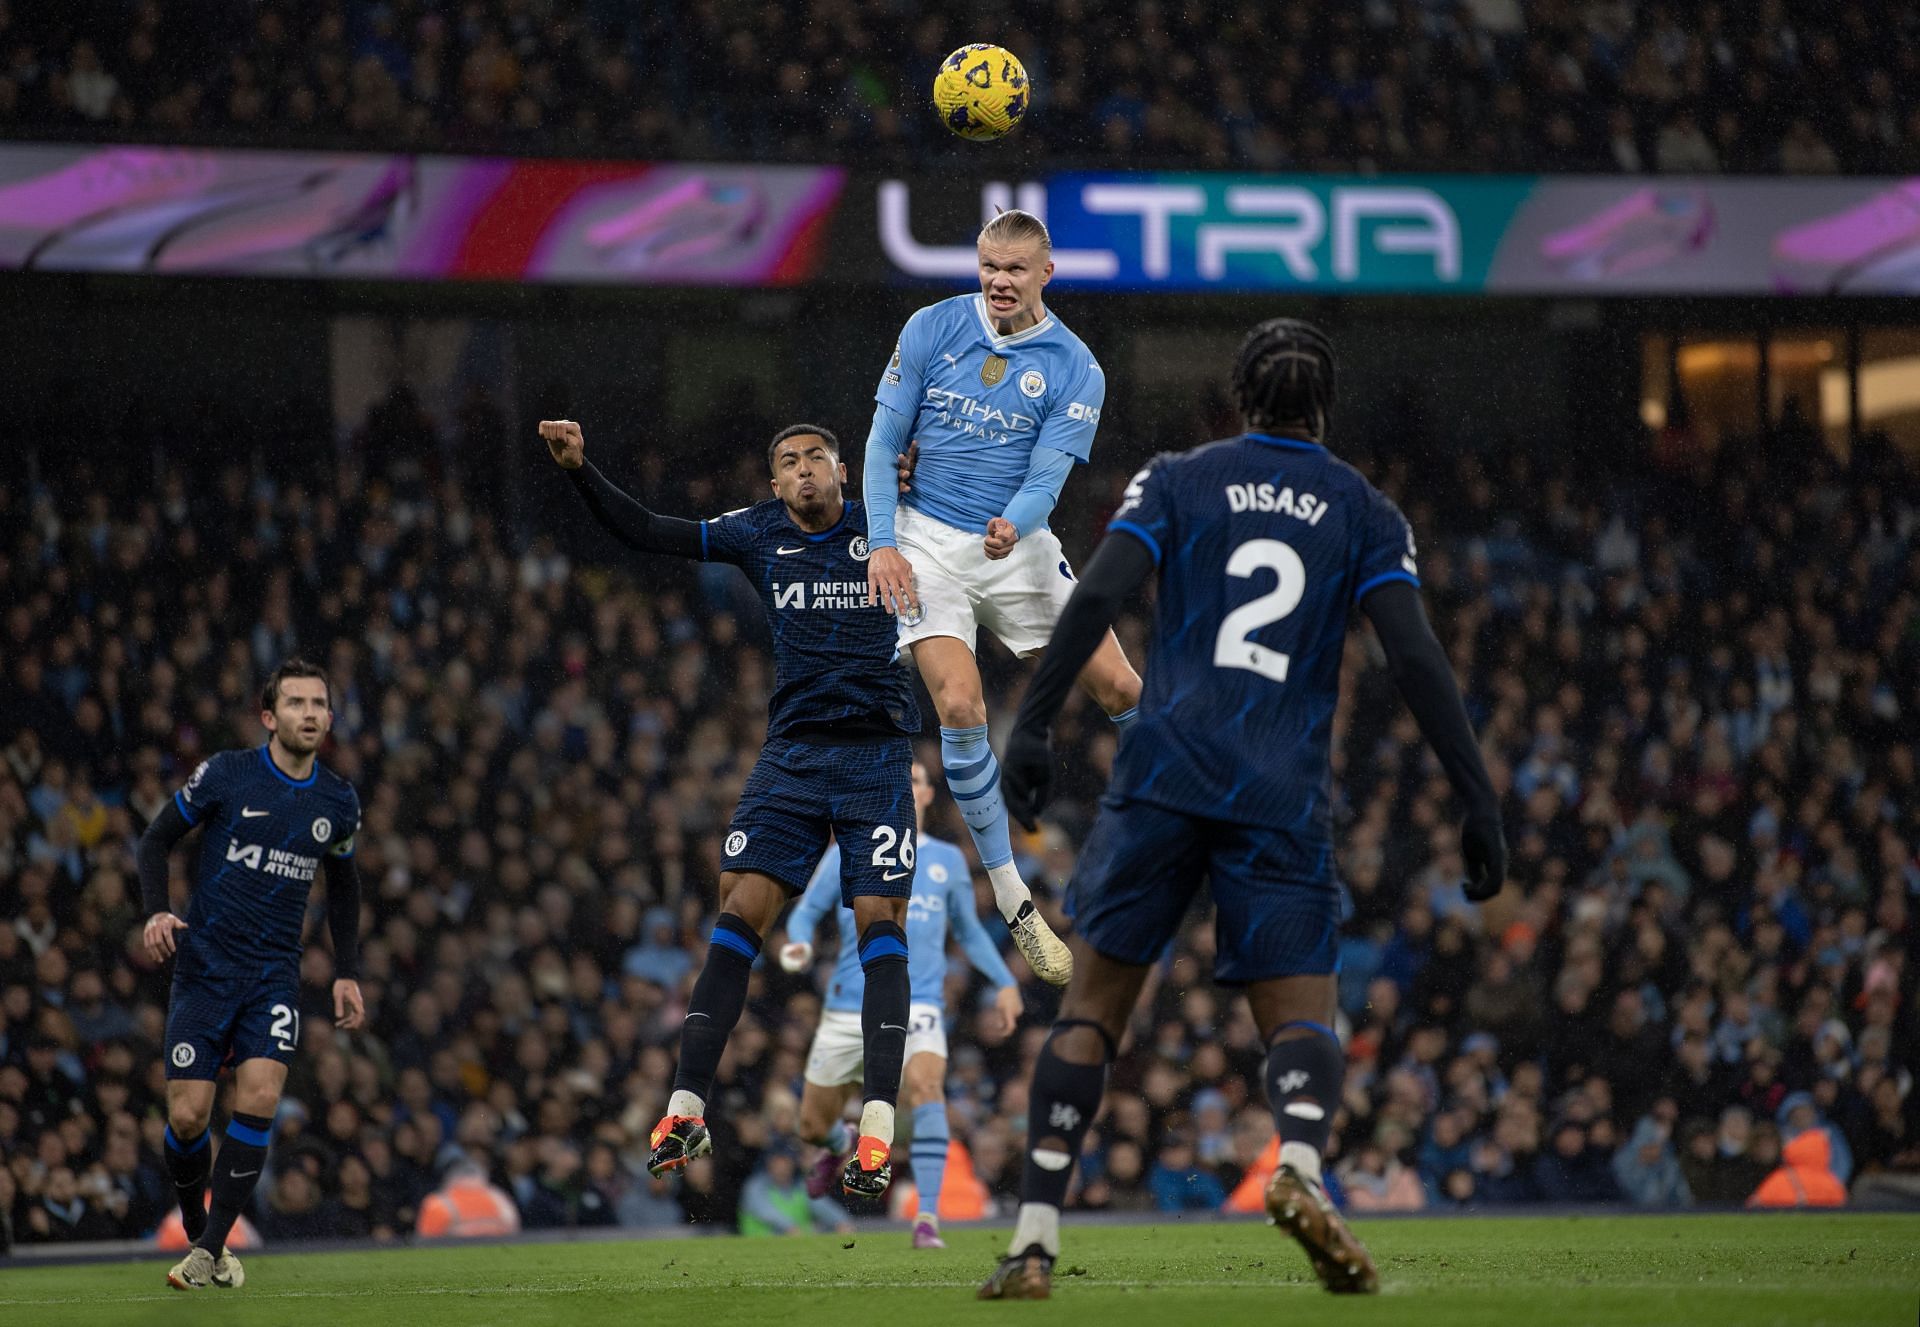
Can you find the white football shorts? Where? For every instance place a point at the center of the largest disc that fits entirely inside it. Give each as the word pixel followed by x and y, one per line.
pixel 839 1053
pixel 1018 598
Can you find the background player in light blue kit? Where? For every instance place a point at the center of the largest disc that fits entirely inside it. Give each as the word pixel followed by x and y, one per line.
pixel 1001 401
pixel 1262 545
pixel 942 897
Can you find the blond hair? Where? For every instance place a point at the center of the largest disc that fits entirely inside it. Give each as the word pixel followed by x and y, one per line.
pixel 1014 226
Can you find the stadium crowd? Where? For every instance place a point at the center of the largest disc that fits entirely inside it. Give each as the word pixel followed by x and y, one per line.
pixel 1700 695
pixel 1792 86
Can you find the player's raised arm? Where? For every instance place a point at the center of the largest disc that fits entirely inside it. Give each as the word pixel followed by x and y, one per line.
pixel 1425 678
pixel 622 515
pixel 1118 567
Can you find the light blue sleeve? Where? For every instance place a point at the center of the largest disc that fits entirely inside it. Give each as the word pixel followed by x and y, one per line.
pixel 1074 415
pixel 879 483
pixel 897 405
pixel 974 940
pixel 1046 474
pixel 822 897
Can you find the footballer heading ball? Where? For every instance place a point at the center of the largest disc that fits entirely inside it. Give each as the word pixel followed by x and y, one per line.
pixel 981 91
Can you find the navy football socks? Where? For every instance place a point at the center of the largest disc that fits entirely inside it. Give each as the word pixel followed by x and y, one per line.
pixel 884 1009
pixel 1305 1072
pixel 719 997
pixel 187 1167
pixel 1062 1103
pixel 236 1171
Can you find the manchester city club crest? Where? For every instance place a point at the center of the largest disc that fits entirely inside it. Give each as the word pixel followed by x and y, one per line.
pixel 1032 385
pixel 993 371
pixel 857 549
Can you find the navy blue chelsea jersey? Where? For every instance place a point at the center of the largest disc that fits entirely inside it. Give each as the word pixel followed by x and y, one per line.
pixel 265 835
pixel 835 658
pixel 1263 543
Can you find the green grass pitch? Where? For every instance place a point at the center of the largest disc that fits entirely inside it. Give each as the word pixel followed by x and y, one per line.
pixel 1689 1271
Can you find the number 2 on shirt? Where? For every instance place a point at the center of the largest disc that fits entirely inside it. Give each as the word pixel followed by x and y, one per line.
pixel 1231 648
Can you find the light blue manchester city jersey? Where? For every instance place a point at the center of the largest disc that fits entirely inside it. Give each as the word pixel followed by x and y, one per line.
pixel 942 898
pixel 981 404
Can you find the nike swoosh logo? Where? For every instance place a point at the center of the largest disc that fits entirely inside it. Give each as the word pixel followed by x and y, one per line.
pixel 891 1027
pixel 248 813
pixel 894 875
pixel 783 550
pixel 243 1174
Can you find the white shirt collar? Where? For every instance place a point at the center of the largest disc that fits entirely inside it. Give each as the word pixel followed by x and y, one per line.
pixel 1001 342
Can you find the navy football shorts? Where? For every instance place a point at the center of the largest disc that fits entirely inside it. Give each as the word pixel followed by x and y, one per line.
pixel 1143 864
pixel 213 1019
pixel 799 791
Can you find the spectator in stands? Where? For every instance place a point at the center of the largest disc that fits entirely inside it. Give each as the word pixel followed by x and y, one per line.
pixel 64 1213
pixel 1375 1180
pixel 1178 1183
pixel 293 1212
pixel 775 1201
pixel 1646 1166
pixel 466 1207
pixel 1573 1168
pixel 1805 1177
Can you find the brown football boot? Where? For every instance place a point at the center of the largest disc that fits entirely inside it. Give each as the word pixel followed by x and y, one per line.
pixel 1024 1275
pixel 1301 1207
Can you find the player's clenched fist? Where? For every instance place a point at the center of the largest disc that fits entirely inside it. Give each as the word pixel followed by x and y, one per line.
pixel 890 581
pixel 1002 535
pixel 565 441
pixel 159 935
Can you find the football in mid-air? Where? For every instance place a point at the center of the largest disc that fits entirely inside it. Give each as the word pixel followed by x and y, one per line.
pixel 981 91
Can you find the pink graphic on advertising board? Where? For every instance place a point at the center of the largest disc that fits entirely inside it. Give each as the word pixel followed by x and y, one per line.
pixel 1874 245
pixel 367 216
pixel 1645 229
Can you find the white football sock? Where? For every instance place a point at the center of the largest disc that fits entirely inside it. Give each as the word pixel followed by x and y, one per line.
pixel 1304 1160
pixel 876 1121
pixel 684 1102
pixel 1037 1224
pixel 1010 892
